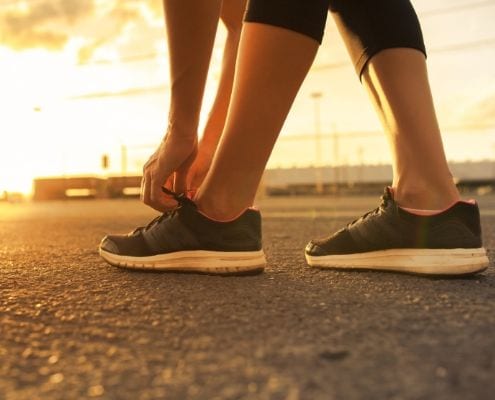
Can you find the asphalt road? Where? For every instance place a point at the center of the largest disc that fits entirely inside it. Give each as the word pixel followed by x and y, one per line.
pixel 72 327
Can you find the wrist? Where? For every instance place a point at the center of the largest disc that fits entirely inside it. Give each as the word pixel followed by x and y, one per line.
pixel 182 132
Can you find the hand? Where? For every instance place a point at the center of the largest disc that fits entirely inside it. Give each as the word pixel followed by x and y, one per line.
pixel 200 166
pixel 169 166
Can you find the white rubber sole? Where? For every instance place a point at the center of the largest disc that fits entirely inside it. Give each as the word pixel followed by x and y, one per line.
pixel 210 262
pixel 417 261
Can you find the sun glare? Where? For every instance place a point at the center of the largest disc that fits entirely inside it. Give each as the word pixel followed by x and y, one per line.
pixel 106 88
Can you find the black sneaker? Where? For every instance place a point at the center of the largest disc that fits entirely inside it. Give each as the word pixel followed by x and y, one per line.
pixel 186 240
pixel 392 239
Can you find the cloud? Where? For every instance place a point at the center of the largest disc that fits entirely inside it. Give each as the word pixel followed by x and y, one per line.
pixel 156 6
pixel 113 23
pixel 138 26
pixel 42 24
pixel 36 38
pixel 50 24
pixel 137 91
pixel 86 51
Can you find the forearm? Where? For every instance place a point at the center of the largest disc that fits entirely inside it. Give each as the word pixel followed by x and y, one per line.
pixel 191 27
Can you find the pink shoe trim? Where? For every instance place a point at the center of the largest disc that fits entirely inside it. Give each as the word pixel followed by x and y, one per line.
pixel 190 194
pixel 427 213
pixel 224 220
pixel 424 213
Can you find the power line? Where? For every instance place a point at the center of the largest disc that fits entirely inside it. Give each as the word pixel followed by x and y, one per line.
pixel 134 91
pixel 335 65
pixel 441 49
pixel 457 8
pixel 322 67
pixel 463 46
pixel 446 129
pixel 123 60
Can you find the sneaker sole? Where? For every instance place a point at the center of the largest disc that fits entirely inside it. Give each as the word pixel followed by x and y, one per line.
pixel 209 262
pixel 453 262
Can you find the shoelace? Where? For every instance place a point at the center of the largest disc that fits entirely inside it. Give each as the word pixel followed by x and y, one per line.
pixel 181 199
pixel 383 204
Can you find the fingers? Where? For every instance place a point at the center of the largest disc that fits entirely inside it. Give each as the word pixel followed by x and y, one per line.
pixel 159 200
pixel 191 178
pixel 180 182
pixel 151 193
pixel 200 167
pixel 145 191
pixel 167 166
pixel 142 191
pixel 170 183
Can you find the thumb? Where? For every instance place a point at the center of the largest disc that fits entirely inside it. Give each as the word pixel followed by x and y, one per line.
pixel 181 175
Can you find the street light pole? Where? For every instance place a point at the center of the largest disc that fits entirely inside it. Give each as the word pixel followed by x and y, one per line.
pixel 123 160
pixel 316 96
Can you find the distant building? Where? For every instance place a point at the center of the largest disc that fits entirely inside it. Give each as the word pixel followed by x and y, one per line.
pixel 360 177
pixel 59 188
pixel 345 178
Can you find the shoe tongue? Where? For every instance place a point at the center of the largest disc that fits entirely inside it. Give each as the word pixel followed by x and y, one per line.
pixel 187 201
pixel 388 192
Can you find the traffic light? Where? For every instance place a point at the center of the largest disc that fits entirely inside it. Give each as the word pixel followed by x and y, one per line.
pixel 105 161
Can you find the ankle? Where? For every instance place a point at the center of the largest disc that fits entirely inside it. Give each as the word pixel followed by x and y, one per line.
pixel 426 197
pixel 220 209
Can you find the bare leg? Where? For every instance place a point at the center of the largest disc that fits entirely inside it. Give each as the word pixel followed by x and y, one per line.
pixel 397 82
pixel 191 28
pixel 231 15
pixel 271 66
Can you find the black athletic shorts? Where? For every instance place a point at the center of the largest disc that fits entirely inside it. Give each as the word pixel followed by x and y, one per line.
pixel 367 26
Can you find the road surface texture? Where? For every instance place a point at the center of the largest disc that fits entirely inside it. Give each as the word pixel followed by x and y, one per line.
pixel 73 327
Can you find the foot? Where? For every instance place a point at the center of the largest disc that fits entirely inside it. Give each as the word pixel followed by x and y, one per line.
pixel 186 240
pixel 392 239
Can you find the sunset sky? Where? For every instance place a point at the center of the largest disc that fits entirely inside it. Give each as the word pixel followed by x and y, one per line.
pixel 82 78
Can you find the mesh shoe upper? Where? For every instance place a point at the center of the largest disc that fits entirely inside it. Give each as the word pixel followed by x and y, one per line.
pixel 389 227
pixel 185 229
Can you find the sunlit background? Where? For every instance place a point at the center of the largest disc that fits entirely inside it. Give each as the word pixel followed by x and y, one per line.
pixel 80 79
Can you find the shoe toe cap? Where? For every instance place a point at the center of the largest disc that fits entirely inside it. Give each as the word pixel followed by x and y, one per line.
pixel 338 244
pixel 126 245
pixel 109 245
pixel 312 249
